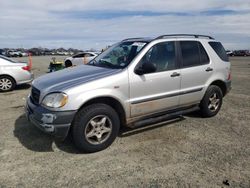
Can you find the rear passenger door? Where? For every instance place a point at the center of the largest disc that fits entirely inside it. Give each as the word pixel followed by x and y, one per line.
pixel 196 69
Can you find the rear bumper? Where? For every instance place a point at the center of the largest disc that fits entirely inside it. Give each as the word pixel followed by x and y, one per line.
pixel 29 79
pixel 55 123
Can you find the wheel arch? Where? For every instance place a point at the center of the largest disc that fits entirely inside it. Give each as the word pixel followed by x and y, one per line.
pixel 111 101
pixel 7 75
pixel 221 84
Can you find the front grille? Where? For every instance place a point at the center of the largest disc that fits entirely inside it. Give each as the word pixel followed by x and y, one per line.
pixel 35 95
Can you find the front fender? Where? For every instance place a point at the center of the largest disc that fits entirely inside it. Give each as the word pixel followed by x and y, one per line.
pixel 83 98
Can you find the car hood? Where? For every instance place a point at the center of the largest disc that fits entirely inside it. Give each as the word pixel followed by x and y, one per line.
pixel 70 77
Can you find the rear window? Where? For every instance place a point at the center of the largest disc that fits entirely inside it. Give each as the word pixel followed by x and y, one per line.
pixel 219 49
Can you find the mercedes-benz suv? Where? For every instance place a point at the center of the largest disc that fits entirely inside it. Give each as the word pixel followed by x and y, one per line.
pixel 136 81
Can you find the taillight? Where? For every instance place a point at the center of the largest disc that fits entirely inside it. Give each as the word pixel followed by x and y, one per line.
pixel 27 68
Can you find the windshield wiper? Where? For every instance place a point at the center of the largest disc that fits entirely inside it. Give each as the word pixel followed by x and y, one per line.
pixel 106 63
pixel 110 65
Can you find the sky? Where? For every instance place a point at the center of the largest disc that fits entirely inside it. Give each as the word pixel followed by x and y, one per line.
pixel 95 24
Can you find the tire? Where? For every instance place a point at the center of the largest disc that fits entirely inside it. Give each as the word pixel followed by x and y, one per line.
pixel 68 63
pixel 91 122
pixel 211 102
pixel 7 83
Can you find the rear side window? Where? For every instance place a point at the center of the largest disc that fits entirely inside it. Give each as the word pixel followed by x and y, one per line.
pixel 7 59
pixel 193 54
pixel 88 55
pixel 204 59
pixel 219 49
pixel 79 55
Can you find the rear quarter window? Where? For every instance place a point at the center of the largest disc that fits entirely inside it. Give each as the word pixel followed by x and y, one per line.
pixel 219 49
pixel 8 59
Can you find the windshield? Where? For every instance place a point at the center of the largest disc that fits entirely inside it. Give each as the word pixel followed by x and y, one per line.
pixel 119 55
pixel 7 59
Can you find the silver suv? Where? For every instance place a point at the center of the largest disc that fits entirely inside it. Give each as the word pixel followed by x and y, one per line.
pixel 134 82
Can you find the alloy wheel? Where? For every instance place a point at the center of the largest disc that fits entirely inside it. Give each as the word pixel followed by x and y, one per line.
pixel 214 102
pixel 5 84
pixel 98 129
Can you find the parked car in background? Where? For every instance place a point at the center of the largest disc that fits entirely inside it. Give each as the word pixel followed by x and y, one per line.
pixel 229 52
pixel 2 52
pixel 13 73
pixel 80 58
pixel 241 53
pixel 24 54
pixel 14 53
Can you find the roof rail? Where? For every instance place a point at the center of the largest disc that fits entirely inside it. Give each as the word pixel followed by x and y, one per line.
pixel 132 39
pixel 184 35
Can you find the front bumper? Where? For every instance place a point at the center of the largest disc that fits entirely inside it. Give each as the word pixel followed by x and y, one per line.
pixel 56 123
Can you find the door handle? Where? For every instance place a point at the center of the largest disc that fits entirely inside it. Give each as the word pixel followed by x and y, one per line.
pixel 175 74
pixel 209 69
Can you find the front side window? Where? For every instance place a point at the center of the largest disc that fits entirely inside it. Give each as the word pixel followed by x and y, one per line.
pixel 193 54
pixel 162 55
pixel 118 56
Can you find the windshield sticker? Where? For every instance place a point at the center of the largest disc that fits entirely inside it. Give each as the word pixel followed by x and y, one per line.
pixel 138 44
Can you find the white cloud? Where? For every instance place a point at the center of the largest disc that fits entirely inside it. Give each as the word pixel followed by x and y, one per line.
pixel 30 23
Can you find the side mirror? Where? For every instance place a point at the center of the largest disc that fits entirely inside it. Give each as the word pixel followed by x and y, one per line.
pixel 145 68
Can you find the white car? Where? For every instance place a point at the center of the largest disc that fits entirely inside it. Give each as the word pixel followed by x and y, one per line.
pixel 80 58
pixel 13 73
pixel 24 54
pixel 13 53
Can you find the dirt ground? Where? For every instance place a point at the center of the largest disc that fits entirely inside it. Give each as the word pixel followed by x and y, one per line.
pixel 186 152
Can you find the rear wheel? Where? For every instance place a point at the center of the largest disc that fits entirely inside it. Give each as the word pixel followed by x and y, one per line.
pixel 7 83
pixel 95 127
pixel 68 63
pixel 211 102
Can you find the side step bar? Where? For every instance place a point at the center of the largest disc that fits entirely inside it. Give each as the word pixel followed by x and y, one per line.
pixel 164 117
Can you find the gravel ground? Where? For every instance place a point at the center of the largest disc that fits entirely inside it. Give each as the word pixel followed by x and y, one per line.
pixel 186 152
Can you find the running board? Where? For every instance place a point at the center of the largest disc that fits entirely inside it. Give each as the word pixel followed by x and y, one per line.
pixel 163 117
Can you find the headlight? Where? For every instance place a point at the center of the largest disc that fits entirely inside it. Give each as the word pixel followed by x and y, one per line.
pixel 55 100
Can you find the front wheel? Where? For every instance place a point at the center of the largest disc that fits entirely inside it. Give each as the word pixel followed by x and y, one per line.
pixel 95 127
pixel 211 102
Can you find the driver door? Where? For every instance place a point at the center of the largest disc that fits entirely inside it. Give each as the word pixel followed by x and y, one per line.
pixel 157 91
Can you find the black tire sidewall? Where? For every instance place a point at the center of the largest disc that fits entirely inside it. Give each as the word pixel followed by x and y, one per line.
pixel 68 63
pixel 206 112
pixel 80 123
pixel 12 82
